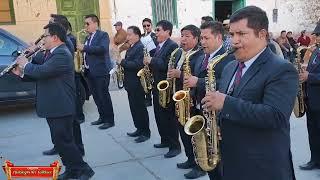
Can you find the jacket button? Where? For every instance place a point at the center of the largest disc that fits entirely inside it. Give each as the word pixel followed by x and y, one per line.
pixel 227 115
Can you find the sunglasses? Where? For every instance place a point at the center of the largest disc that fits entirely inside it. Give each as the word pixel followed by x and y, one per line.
pixel 146 25
pixel 46 35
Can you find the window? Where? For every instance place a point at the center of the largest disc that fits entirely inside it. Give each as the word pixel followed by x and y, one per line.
pixel 165 10
pixel 7 46
pixel 6 12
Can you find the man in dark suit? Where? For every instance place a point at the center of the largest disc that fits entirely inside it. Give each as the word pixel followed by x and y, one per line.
pixel 190 36
pixel 212 43
pixel 97 65
pixel 255 100
pixel 55 83
pixel 147 27
pixel 132 63
pixel 167 126
pixel 311 77
pixel 61 19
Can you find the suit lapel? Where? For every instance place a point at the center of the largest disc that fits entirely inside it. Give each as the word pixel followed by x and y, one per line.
pixel 164 46
pixel 311 66
pixel 228 78
pixel 94 37
pixel 198 65
pixel 253 69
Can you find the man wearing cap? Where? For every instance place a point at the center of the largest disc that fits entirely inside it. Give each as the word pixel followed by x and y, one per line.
pixel 311 77
pixel 121 37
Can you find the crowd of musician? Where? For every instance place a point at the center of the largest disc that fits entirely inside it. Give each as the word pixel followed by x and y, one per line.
pixel 225 89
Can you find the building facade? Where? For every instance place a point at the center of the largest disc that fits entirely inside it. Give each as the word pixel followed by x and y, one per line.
pixel 25 18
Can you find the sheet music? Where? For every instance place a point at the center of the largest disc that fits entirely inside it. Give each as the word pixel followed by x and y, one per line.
pixel 147 41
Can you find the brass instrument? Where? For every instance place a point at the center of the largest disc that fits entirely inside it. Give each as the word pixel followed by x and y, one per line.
pixel 182 97
pixel 205 140
pixel 145 74
pixel 26 53
pixel 78 57
pixel 299 106
pixel 120 71
pixel 167 87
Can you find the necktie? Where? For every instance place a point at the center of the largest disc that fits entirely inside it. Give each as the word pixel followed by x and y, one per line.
pixel 205 61
pixel 157 49
pixel 46 55
pixel 237 78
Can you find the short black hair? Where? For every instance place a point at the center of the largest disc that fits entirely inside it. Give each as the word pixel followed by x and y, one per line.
pixel 207 18
pixel 289 32
pixel 257 18
pixel 147 20
pixel 93 17
pixel 58 16
pixel 195 31
pixel 166 26
pixel 215 26
pixel 283 31
pixel 63 20
pixel 58 30
pixel 135 30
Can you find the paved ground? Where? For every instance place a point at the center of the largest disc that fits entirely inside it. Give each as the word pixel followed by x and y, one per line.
pixel 113 155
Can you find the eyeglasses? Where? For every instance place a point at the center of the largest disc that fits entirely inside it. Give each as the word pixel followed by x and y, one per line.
pixel 46 35
pixel 146 25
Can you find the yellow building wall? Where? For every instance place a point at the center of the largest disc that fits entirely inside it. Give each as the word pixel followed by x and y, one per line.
pixel 32 15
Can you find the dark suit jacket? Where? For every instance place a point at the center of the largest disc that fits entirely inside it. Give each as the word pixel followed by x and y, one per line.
pixel 159 63
pixel 254 122
pixel 201 72
pixel 97 54
pixel 54 83
pixel 313 81
pixel 132 63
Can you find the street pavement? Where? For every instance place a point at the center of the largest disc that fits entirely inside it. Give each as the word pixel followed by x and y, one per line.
pixel 112 154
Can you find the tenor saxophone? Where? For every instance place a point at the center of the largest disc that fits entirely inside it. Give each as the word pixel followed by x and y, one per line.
pixel 167 87
pixel 145 74
pixel 78 58
pixel 182 97
pixel 299 106
pixel 204 134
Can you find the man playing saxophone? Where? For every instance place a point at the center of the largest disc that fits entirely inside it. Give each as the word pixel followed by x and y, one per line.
pixel 311 78
pixel 212 43
pixel 167 126
pixel 132 63
pixel 255 99
pixel 190 36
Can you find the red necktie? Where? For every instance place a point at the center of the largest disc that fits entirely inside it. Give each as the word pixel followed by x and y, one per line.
pixel 205 61
pixel 237 78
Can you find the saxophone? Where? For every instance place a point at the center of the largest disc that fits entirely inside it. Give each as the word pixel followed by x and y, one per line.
pixel 145 74
pixel 205 140
pixel 120 70
pixel 182 97
pixel 78 58
pixel 299 105
pixel 167 87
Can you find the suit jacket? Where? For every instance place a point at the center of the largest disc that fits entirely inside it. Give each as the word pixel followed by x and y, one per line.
pixel 313 82
pixel 254 121
pixel 132 63
pixel 201 72
pixel 55 84
pixel 97 54
pixel 159 63
pixel 154 38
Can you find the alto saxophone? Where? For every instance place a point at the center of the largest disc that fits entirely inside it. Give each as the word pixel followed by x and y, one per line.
pixel 78 58
pixel 120 70
pixel 205 140
pixel 299 106
pixel 145 74
pixel 182 97
pixel 167 87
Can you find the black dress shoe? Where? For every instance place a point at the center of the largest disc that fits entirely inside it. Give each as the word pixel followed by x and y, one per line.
pixel 134 134
pixel 310 166
pixel 50 152
pixel 86 174
pixel 161 145
pixel 142 138
pixel 67 175
pixel 106 126
pixel 185 165
pixel 97 122
pixel 172 153
pixel 195 173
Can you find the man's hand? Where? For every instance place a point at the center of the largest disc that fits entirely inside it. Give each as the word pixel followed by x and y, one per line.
pixel 173 73
pixel 213 101
pixel 146 60
pixel 303 76
pixel 190 81
pixel 80 47
pixel 21 61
